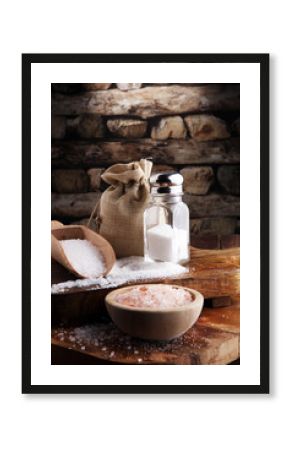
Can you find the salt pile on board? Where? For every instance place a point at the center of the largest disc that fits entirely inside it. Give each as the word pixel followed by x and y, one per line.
pixel 155 296
pixel 131 269
pixel 84 257
pixel 136 268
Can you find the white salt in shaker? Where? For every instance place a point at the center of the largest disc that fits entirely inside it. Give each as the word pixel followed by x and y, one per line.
pixel 166 220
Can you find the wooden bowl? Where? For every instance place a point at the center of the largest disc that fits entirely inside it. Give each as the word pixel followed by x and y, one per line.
pixel 79 232
pixel 154 323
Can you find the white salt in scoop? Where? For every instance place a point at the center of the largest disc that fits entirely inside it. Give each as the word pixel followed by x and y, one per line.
pixel 84 257
pixel 82 251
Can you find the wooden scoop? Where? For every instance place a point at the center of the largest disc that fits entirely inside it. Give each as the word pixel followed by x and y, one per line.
pixel 60 232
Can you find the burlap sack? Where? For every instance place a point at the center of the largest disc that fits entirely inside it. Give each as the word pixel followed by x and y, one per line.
pixel 122 207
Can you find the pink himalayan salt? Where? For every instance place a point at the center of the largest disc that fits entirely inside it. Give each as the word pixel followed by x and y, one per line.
pixel 156 296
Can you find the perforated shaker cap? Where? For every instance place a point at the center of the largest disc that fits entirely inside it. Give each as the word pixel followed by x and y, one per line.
pixel 166 183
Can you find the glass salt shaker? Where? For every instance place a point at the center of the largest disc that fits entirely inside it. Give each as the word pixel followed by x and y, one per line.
pixel 166 220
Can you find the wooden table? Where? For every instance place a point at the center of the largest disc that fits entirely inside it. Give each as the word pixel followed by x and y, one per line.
pixel 214 339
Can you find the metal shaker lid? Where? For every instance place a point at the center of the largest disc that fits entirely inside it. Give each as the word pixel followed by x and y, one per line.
pixel 166 183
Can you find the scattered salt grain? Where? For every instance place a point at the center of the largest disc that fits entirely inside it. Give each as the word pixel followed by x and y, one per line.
pixel 85 258
pixel 104 349
pixel 109 337
pixel 91 283
pixel 112 354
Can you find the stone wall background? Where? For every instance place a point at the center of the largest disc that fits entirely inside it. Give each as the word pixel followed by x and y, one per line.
pixel 192 128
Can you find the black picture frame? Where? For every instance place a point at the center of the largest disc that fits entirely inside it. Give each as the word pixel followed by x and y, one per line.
pixel 263 60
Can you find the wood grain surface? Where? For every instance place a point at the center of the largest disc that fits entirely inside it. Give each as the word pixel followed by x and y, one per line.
pixel 74 154
pixel 215 273
pixel 213 340
pixel 89 337
pixel 150 101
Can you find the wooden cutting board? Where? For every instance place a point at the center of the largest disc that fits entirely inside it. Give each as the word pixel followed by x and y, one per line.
pixel 215 273
pixel 214 339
